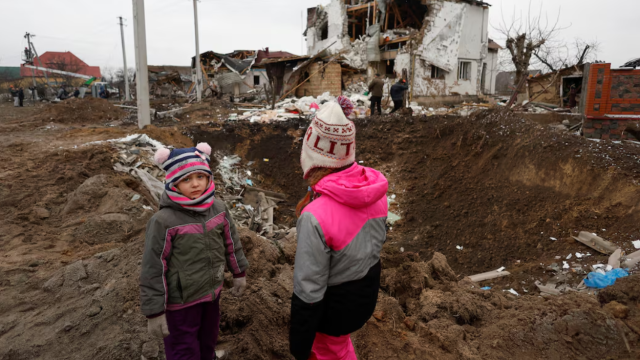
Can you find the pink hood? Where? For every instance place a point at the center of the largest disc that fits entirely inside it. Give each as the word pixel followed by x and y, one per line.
pixel 357 187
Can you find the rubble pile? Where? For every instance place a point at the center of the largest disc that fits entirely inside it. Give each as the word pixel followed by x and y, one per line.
pixel 76 111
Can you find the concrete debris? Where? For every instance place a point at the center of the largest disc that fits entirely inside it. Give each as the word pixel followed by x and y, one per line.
pixel 631 260
pixel 547 289
pixel 596 242
pixel 614 259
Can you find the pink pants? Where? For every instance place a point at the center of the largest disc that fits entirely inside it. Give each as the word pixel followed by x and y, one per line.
pixel 327 347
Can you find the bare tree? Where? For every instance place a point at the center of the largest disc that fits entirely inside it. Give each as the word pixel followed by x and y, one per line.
pixel 559 56
pixel 526 34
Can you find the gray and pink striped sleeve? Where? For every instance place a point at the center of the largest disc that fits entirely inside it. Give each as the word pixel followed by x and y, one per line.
pixel 236 261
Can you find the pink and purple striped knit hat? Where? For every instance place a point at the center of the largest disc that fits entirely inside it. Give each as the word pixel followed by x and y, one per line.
pixel 180 163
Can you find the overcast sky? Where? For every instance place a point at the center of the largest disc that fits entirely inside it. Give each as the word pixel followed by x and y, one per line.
pixel 90 29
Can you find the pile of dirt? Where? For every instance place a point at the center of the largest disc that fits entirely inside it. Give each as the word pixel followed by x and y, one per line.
pixel 80 111
pixel 494 184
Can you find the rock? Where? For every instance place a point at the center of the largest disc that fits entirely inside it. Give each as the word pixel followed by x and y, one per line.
pixel 41 213
pixel 90 288
pixel 74 273
pixel 34 263
pixel 55 282
pixel 150 350
pixel 68 326
pixel 566 123
pixel 89 192
pixel 108 256
pixel 94 310
pixel 617 310
pixel 410 324
pixel 378 315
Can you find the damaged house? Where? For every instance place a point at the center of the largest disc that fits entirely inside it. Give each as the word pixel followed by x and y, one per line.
pixel 236 73
pixel 441 47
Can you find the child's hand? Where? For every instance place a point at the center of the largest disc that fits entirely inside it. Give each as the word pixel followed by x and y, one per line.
pixel 158 327
pixel 239 285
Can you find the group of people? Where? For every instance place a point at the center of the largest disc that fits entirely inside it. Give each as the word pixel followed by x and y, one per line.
pixel 18 96
pixel 341 229
pixel 376 90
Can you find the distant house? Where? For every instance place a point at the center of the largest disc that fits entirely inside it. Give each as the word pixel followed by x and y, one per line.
pixel 506 79
pixel 8 73
pixel 63 61
pixel 238 72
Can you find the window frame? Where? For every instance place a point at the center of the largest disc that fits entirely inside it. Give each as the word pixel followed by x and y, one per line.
pixel 464 70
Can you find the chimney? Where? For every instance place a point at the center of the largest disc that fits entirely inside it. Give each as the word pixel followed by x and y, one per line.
pixel 266 50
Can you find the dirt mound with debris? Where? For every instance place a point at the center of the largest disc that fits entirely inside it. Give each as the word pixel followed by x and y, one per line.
pixel 80 111
pixel 489 190
pixel 72 243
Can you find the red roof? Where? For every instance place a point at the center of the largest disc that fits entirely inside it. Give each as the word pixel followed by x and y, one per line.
pixel 266 54
pixel 65 61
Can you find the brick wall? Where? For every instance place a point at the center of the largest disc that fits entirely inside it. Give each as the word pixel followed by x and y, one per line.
pixel 329 79
pixel 610 129
pixel 612 92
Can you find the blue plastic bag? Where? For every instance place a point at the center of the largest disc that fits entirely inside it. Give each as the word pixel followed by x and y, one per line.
pixel 599 281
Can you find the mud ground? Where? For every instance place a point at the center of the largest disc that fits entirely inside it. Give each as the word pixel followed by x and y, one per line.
pixel 497 185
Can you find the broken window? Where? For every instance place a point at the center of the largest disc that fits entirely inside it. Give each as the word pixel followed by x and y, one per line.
pixel 324 31
pixel 464 70
pixel 437 73
pixel 256 80
pixel 402 14
pixel 394 15
pixel 389 71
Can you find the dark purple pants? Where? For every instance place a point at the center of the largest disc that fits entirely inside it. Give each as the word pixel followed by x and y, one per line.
pixel 194 332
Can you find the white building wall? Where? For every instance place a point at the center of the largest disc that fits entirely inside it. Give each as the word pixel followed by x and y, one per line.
pixel 492 72
pixel 337 15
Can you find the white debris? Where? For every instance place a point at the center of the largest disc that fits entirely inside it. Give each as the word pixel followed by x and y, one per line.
pixel 579 256
pixel 609 268
pixel 569 257
pixel 459 247
pixel 501 269
pixel 636 244
pixel 147 207
pixel 512 291
pixel 565 265
pixel 401 249
pixel 554 239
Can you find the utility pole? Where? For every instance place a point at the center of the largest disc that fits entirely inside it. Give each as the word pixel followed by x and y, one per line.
pixel 142 72
pixel 34 93
pixel 198 63
pixel 126 70
pixel 33 47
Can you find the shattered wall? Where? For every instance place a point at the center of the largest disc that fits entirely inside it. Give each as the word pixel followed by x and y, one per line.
pixel 440 46
pixel 453 32
pixel 334 16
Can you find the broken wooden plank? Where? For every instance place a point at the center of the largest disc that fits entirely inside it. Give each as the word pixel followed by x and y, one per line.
pixel 489 275
pixel 595 242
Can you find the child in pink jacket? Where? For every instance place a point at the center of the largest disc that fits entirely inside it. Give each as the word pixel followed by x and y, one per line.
pixel 341 230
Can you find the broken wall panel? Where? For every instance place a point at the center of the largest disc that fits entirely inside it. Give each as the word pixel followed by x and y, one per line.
pixel 440 44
